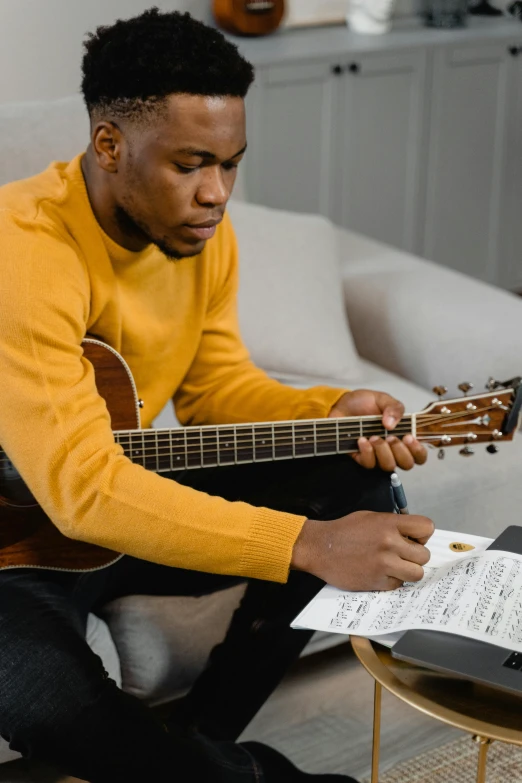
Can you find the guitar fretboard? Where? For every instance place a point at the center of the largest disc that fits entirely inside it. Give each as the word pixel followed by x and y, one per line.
pixel 164 450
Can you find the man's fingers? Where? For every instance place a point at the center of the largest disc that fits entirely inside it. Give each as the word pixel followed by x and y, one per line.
pixel 414 552
pixel 401 454
pixel 405 571
pixel 383 453
pixel 391 583
pixel 415 526
pixel 366 457
pixel 417 450
pixel 392 410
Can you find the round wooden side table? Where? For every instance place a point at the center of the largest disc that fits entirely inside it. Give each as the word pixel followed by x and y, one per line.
pixel 486 713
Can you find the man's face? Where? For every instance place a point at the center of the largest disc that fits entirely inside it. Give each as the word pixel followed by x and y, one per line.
pixel 175 176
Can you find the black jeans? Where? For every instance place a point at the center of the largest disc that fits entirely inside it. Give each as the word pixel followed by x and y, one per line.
pixel 57 703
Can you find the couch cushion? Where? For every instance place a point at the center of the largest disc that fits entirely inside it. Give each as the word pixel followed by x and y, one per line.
pixel 164 641
pixel 34 133
pixel 291 309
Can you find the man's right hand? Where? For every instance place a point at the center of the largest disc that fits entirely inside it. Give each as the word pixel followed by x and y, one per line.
pixel 365 550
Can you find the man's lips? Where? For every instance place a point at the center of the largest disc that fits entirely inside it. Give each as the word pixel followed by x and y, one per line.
pixel 203 230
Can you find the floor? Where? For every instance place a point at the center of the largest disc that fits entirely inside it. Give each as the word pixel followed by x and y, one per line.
pixel 321 717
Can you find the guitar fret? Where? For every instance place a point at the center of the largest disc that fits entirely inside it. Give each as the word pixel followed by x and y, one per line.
pixel 200 447
pixel 143 450
pixel 210 447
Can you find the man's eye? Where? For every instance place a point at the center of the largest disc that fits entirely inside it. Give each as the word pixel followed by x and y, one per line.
pixel 185 169
pixel 230 166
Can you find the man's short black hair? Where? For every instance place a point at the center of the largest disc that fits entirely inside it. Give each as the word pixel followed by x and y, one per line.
pixel 131 66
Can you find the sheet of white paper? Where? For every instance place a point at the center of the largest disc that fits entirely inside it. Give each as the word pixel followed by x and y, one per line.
pixel 439 546
pixel 479 596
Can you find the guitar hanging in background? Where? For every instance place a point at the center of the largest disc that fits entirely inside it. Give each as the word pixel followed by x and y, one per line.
pixel 249 17
pixel 29 538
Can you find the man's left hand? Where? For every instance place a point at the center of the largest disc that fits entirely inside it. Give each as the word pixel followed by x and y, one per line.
pixel 386 453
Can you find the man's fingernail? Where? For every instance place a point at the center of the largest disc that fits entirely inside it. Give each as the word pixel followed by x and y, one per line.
pixel 392 420
pixel 408 440
pixel 374 439
pixel 364 441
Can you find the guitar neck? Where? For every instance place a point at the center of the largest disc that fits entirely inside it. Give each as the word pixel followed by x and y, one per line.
pixel 164 450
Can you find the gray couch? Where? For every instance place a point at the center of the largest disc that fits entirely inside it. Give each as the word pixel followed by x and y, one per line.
pixel 316 304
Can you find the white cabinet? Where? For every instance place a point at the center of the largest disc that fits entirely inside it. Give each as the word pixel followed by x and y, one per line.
pixel 465 195
pixel 510 268
pixel 416 145
pixel 379 153
pixel 342 137
pixel 290 116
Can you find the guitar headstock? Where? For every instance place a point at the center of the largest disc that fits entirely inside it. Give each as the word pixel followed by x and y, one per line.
pixel 489 418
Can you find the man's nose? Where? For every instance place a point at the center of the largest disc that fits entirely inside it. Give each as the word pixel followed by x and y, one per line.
pixel 212 190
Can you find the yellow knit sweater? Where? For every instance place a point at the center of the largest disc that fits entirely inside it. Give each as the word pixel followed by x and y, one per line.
pixel 175 323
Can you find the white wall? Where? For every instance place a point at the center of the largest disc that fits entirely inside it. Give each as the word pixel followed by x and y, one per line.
pixel 41 40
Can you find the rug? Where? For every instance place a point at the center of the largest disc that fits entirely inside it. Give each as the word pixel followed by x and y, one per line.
pixel 456 762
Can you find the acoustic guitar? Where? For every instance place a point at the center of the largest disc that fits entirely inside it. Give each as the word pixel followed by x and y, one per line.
pixel 249 17
pixel 29 538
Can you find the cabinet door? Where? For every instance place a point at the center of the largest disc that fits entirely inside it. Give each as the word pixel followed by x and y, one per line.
pixel 466 158
pixel 289 121
pixel 380 143
pixel 510 271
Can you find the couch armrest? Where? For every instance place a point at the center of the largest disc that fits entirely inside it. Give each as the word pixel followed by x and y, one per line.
pixel 425 322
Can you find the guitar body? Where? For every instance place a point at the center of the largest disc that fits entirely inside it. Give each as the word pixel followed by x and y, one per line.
pixel 28 538
pixel 249 17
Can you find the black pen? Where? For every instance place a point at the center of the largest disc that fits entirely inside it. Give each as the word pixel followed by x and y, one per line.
pixel 398 494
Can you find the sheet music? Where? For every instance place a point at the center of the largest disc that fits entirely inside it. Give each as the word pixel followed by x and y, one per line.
pixel 478 595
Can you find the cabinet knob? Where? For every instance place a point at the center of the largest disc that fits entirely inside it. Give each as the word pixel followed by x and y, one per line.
pixel 514 51
pixel 337 69
pixel 354 68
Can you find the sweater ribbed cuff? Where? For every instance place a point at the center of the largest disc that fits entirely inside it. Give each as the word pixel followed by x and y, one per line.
pixel 268 552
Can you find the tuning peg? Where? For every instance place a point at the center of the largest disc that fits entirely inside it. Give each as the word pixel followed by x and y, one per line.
pixel 441 454
pixel 465 387
pixel 492 449
pixel 440 391
pixel 492 384
pixel 467 451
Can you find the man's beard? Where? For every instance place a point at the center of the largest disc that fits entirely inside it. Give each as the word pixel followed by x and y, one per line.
pixel 132 226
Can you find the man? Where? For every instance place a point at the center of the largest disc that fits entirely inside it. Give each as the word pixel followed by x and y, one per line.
pixel 131 242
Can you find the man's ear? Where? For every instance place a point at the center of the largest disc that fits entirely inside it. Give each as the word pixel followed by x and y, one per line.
pixel 106 140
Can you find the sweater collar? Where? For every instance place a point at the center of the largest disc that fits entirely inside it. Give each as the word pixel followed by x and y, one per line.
pixel 116 252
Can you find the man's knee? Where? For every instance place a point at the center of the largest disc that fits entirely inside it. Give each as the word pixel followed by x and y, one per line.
pixel 42 699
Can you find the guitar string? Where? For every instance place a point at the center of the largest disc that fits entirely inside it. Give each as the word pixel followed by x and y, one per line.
pixel 251 433
pixel 369 426
pixel 299 447
pixel 250 430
